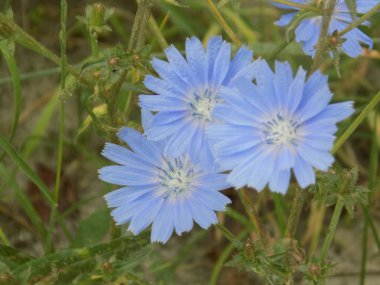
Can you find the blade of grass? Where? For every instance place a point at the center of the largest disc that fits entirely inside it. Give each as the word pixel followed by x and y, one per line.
pixel 13 70
pixel 24 166
pixel 24 202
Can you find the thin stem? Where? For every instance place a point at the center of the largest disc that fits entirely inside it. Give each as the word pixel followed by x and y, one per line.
pixel 9 29
pixel 297 5
pixel 54 214
pixel 341 140
pixel 329 7
pixel 332 227
pixel 157 33
pixel 359 21
pixel 94 45
pixel 281 47
pixel 295 213
pixel 252 214
pixel 141 18
pixel 227 234
pixel 223 23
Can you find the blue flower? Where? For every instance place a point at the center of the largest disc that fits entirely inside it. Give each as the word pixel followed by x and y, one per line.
pixel 187 92
pixel 168 192
pixel 277 125
pixel 308 29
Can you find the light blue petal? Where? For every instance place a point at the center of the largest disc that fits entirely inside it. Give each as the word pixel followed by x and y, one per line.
pixel 338 111
pixel 206 156
pixel 212 199
pixel 359 36
pixel 294 95
pixel 285 19
pixel 183 219
pixel 124 175
pixel 242 59
pixel 352 47
pixel 285 158
pixel 315 82
pixel 261 170
pixel 202 215
pixel 305 30
pixel 146 119
pixel 363 6
pixel 212 181
pixel 222 64
pixel 196 58
pixel 179 64
pixel 320 141
pixel 166 123
pixel 212 51
pixel 139 144
pixel 122 196
pixel 127 211
pixel 240 175
pixel 282 80
pixel 166 72
pixel 320 159
pixel 161 87
pixel 316 104
pixel 146 215
pixel 163 224
pixel 318 124
pixel 279 182
pixel 124 156
pixel 179 142
pixel 304 173
pixel 158 103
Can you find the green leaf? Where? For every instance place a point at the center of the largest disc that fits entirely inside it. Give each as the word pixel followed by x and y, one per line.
pixel 28 171
pixel 92 229
pixel 12 257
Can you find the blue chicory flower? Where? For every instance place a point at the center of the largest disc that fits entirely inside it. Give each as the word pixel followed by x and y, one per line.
pixel 187 92
pixel 309 29
pixel 276 125
pixel 167 192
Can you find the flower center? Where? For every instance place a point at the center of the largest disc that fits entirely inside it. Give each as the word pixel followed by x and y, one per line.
pixel 175 177
pixel 280 131
pixel 202 103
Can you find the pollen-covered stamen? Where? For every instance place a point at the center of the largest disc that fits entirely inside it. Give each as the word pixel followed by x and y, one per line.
pixel 202 103
pixel 175 177
pixel 280 131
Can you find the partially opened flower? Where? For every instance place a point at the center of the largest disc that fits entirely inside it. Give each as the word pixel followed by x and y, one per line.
pixel 187 92
pixel 168 192
pixel 309 28
pixel 277 125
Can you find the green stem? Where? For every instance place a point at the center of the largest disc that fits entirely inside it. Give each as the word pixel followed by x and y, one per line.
pixel 341 140
pixel 138 29
pixel 295 213
pixel 297 5
pixel 332 227
pixel 329 6
pixel 223 258
pixel 281 47
pixel 63 40
pixel 157 33
pixel 223 23
pixel 252 214
pixel 94 45
pixel 227 234
pixel 359 21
